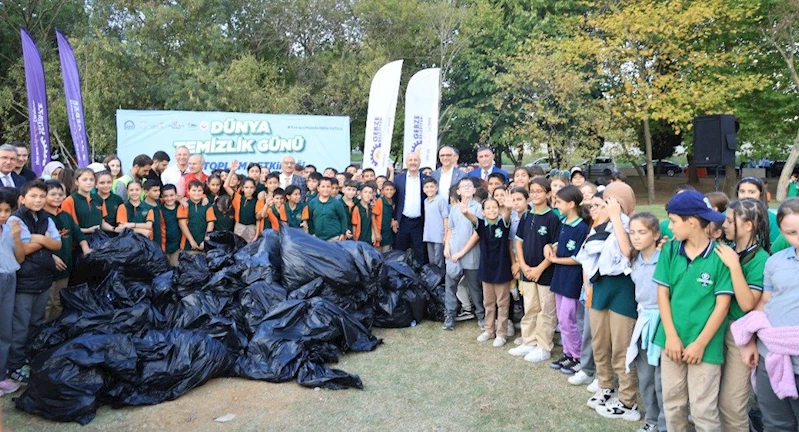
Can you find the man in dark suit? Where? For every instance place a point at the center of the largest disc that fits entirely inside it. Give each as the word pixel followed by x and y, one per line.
pixel 8 162
pixel 409 208
pixel 289 177
pixel 448 174
pixel 22 162
pixel 485 158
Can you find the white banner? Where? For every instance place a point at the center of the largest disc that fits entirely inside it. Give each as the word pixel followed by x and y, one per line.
pixel 380 117
pixel 421 116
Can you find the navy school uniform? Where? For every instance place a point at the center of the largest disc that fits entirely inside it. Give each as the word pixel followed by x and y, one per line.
pixel 494 253
pixel 567 280
pixel 536 230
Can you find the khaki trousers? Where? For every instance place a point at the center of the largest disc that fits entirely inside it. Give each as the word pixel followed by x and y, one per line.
pixel 173 258
pixel 734 388
pixel 247 232
pixel 610 337
pixel 538 323
pixel 53 309
pixel 694 386
pixel 496 299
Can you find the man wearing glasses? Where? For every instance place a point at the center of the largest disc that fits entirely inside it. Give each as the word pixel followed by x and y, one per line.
pixel 448 174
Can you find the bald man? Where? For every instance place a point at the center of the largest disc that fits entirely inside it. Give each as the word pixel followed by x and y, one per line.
pixel 175 172
pixel 195 172
pixel 409 208
pixel 289 177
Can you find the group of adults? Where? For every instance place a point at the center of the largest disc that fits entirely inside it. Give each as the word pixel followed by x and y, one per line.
pixel 13 165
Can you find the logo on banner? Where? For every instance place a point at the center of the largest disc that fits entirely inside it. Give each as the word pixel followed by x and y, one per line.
pixel 203 125
pixel 129 125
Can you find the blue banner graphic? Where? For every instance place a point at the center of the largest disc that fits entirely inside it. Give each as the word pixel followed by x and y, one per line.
pixel 220 137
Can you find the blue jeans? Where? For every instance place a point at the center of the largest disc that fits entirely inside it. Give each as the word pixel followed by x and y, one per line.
pixel 8 288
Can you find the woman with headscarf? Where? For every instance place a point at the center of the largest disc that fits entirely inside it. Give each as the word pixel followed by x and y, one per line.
pixel 51 170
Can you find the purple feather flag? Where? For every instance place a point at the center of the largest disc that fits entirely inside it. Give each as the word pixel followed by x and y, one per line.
pixel 77 123
pixel 37 103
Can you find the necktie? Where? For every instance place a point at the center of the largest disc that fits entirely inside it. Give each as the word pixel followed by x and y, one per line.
pixel 6 181
pixel 485 175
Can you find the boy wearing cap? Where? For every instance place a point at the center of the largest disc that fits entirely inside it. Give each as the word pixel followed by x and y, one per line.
pixel 694 295
pixel 577 177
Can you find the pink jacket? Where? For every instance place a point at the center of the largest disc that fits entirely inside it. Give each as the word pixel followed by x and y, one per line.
pixel 782 343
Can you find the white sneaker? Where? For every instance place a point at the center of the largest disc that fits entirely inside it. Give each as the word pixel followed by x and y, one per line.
pixel 594 386
pixel 518 341
pixel 499 342
pixel 511 329
pixel 601 397
pixel 484 336
pixel 617 410
pixel 538 355
pixel 522 350
pixel 580 378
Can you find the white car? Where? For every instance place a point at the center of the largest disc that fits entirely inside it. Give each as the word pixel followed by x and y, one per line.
pixel 601 165
pixel 542 162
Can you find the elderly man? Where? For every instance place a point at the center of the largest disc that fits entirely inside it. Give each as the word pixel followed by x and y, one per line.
pixel 289 177
pixel 22 162
pixel 195 172
pixel 448 174
pixel 139 171
pixel 409 208
pixel 8 161
pixel 174 173
pixel 485 158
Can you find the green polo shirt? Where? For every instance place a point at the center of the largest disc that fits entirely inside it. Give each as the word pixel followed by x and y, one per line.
pixel 693 287
pixel 773 228
pixel 295 216
pixel 71 235
pixel 138 214
pixel 224 220
pixel 753 264
pixel 247 210
pixel 157 221
pixel 111 204
pixel 664 229
pixel 366 223
pixel 172 229
pixel 779 244
pixel 198 216
pixel 327 219
pixel 88 211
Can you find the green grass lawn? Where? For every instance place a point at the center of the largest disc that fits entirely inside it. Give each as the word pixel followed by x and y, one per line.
pixel 421 378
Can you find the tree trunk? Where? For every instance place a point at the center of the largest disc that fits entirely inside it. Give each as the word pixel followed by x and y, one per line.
pixel 730 180
pixel 785 177
pixel 650 170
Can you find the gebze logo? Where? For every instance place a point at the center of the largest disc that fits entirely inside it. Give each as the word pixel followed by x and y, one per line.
pixel 704 279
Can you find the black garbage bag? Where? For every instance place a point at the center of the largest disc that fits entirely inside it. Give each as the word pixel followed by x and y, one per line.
pixel 202 311
pixel 162 292
pixel 402 298
pixel 225 241
pixel 170 363
pixel 297 332
pixel 113 292
pixel 83 272
pixel 312 289
pixel 131 321
pixel 67 383
pixel 226 282
pixel 433 278
pixel 306 258
pixel 191 274
pixel 254 303
pixel 136 256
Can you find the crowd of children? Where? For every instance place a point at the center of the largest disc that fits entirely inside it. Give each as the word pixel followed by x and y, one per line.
pixel 647 309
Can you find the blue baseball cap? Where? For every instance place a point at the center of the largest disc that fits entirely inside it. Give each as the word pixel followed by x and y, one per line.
pixel 693 203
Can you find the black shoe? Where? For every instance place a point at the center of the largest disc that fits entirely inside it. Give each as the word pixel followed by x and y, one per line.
pixel 464 316
pixel 571 366
pixel 557 364
pixel 449 323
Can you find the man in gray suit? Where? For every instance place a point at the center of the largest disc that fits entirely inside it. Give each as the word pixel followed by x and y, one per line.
pixel 289 177
pixel 448 174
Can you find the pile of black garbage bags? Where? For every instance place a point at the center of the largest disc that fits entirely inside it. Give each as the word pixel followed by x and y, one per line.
pixel 135 332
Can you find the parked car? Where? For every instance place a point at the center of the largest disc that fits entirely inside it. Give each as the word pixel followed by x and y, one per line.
pixel 775 168
pixel 669 168
pixel 601 165
pixel 542 162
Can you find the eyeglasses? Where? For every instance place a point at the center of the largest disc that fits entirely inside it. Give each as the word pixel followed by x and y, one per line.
pixel 597 206
pixel 446 155
pixel 537 192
